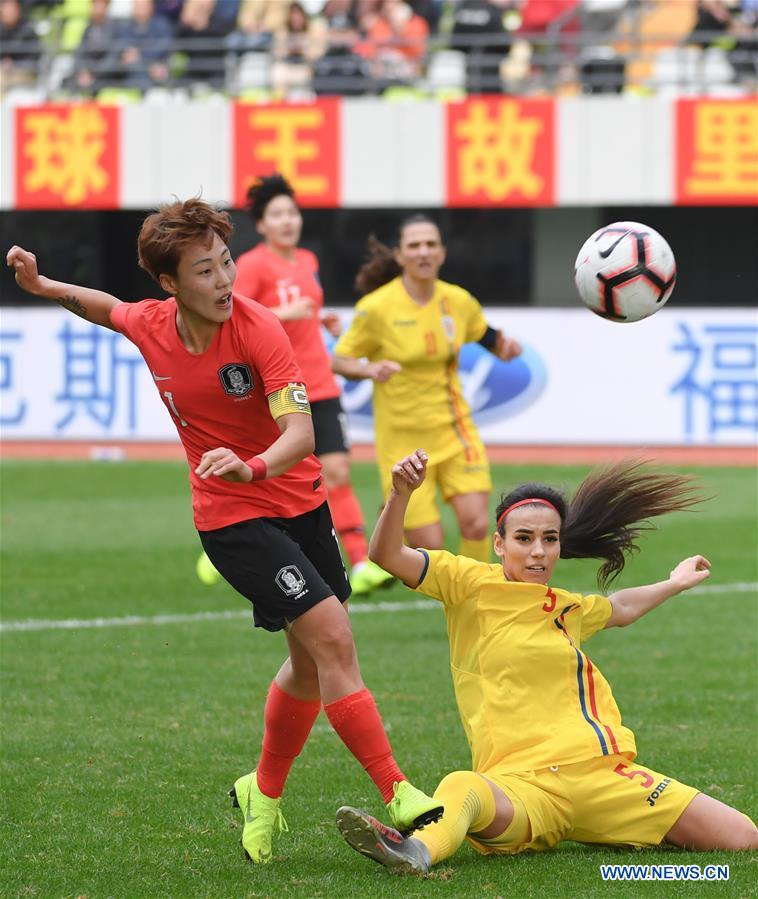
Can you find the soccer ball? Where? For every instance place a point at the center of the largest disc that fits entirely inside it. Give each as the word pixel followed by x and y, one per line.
pixel 625 272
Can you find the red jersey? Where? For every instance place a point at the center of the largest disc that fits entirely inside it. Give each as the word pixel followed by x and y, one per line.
pixel 266 277
pixel 218 398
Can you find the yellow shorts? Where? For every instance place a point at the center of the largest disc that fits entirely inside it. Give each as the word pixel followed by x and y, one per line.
pixel 607 800
pixel 468 471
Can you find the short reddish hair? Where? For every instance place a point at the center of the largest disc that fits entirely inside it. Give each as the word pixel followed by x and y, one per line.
pixel 166 234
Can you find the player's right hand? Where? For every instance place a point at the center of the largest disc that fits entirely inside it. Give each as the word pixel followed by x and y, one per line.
pixel 224 463
pixel 383 370
pixel 409 473
pixel 25 265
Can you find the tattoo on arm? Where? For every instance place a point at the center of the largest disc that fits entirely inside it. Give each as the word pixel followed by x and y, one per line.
pixel 73 305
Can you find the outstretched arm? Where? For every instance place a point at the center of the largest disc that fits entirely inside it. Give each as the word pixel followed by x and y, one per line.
pixel 386 546
pixel 634 602
pixel 93 305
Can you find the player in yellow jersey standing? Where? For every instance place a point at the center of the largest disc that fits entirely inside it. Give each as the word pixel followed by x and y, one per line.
pixel 406 337
pixel 551 759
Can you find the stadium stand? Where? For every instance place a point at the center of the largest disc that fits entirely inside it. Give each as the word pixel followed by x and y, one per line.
pixel 277 49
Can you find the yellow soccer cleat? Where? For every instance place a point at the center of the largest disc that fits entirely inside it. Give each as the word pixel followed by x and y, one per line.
pixel 206 572
pixel 367 576
pixel 410 809
pixel 260 815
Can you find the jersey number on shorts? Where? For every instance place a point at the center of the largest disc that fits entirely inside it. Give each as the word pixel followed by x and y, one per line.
pixel 647 780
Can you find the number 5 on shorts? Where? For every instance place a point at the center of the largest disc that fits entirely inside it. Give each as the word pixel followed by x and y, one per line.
pixel 647 780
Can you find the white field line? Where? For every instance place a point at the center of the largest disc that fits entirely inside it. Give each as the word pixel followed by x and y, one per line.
pixel 43 624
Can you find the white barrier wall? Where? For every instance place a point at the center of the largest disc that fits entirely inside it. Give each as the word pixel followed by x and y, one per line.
pixel 682 376
pixel 364 152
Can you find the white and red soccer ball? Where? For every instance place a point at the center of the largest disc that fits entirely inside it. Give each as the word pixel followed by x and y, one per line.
pixel 625 272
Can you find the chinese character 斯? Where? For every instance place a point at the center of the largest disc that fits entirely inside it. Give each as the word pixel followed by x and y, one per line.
pixel 98 380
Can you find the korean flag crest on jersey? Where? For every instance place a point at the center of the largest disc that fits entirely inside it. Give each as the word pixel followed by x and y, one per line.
pixel 236 378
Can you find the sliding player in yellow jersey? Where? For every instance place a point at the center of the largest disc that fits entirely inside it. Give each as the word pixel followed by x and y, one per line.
pixel 551 759
pixel 410 329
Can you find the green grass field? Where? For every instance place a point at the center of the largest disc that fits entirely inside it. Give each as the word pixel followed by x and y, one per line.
pixel 120 742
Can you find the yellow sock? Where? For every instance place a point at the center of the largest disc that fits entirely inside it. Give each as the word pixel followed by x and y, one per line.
pixel 469 806
pixel 481 550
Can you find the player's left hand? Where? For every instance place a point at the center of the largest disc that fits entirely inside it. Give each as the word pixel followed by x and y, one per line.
pixel 691 572
pixel 223 463
pixel 506 348
pixel 332 322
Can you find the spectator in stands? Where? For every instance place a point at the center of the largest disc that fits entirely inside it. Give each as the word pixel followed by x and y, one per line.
pixel 169 9
pixel 744 55
pixel 93 55
pixel 367 12
pixel 539 15
pixel 395 42
pixel 542 24
pixel 337 9
pixel 429 10
pixel 142 51
pixel 200 33
pixel 712 21
pixel 19 47
pixel 257 21
pixel 731 25
pixel 297 45
pixel 340 70
pixel 478 32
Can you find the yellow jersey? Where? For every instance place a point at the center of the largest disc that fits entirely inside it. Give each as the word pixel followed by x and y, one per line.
pixel 527 694
pixel 422 405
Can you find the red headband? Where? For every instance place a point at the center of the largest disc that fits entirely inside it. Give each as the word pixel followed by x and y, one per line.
pixel 525 502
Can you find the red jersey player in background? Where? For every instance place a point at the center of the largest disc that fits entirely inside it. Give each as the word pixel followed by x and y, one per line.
pixel 227 375
pixel 284 277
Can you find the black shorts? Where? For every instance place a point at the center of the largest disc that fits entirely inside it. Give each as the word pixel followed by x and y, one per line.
pixel 284 566
pixel 330 426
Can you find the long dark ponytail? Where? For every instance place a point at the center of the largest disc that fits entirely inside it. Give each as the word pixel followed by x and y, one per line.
pixel 609 511
pixel 380 266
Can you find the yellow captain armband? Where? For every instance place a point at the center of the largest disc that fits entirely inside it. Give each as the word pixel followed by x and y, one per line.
pixel 292 398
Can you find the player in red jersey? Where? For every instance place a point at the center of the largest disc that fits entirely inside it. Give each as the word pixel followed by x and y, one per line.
pixel 284 277
pixel 226 372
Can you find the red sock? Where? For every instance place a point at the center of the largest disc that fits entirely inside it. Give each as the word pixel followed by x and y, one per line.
pixel 288 721
pixel 348 522
pixel 357 721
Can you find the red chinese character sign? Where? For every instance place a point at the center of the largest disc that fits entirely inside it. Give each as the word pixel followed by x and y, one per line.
pixel 500 152
pixel 298 140
pixel 67 157
pixel 717 152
